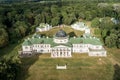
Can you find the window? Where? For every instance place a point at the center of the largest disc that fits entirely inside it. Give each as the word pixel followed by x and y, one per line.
pixel 26 47
pixel 97 47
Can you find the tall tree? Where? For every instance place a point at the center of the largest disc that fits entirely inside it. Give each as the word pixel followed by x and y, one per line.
pixel 95 22
pixel 111 40
pixel 3 37
pixel 9 69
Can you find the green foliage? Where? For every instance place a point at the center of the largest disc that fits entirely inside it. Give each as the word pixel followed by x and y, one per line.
pixel 20 21
pixel 22 27
pixel 3 37
pixel 88 15
pixel 9 69
pixel 106 23
pixel 54 21
pixel 95 22
pixel 118 43
pixel 97 31
pixel 104 33
pixel 18 31
pixel 111 40
pixel 109 32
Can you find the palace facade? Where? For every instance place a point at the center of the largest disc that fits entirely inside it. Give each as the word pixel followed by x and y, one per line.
pixel 61 45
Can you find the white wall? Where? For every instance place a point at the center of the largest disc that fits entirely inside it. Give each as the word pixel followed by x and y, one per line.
pixel 64 40
pixel 80 48
pixel 97 53
pixel 58 51
pixel 95 47
pixel 46 28
pixel 26 48
pixel 42 48
pixel 87 30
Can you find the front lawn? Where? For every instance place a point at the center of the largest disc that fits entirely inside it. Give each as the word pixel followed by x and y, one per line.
pixel 79 67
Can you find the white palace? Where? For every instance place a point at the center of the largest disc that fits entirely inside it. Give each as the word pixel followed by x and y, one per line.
pixel 61 45
pixel 43 27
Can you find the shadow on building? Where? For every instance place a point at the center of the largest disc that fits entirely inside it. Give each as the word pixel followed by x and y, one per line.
pixel 116 75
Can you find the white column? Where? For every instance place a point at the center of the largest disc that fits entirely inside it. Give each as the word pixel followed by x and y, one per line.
pixel 62 54
pixel 66 54
pixel 52 54
pixel 69 54
pixel 58 54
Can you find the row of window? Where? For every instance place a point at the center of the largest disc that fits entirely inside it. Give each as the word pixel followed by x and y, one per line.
pixel 77 45
pixel 61 54
pixel 85 46
pixel 80 50
pixel 41 45
pixel 61 50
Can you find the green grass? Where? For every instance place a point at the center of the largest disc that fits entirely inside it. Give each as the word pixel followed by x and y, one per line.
pixel 114 53
pixel 10 50
pixel 80 67
pixel 67 29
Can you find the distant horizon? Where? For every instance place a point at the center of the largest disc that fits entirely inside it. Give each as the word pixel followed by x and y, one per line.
pixel 15 1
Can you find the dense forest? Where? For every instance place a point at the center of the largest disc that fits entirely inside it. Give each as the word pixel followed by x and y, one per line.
pixel 9 68
pixel 15 1
pixel 20 19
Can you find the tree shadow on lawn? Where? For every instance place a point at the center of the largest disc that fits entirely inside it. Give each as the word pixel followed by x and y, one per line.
pixel 6 51
pixel 71 34
pixel 26 64
pixel 116 75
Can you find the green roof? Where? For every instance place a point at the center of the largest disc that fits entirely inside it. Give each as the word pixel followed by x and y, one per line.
pixel 36 41
pixel 89 40
pixel 87 35
pixel 77 40
pixel 94 41
pixel 41 40
pixel 47 40
pixel 27 42
pixel 67 44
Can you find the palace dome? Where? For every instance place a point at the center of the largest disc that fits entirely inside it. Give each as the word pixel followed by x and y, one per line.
pixel 61 33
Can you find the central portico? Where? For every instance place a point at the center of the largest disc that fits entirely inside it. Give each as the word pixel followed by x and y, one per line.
pixel 61 51
pixel 62 48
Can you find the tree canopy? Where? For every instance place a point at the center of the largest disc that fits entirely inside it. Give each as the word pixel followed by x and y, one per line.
pixel 17 21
